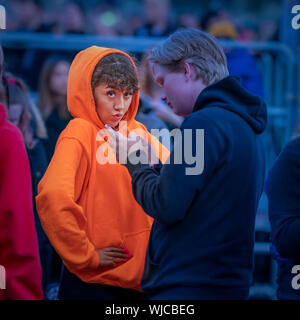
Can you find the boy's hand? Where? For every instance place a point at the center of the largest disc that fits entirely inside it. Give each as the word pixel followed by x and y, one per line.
pixel 112 255
pixel 124 146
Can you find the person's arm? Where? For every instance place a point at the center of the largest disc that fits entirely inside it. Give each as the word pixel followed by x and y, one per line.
pixel 19 252
pixel 166 114
pixel 62 218
pixel 283 190
pixel 168 195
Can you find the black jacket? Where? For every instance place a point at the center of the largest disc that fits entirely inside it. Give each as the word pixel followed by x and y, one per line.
pixel 283 191
pixel 201 243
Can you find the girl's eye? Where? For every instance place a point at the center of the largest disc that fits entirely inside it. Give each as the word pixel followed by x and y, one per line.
pixel 111 93
pixel 127 95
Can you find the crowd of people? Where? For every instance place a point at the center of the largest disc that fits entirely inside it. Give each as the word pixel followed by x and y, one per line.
pixel 109 18
pixel 54 237
pixel 155 18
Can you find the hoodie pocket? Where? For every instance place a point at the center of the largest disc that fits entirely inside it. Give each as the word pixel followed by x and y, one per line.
pixel 136 243
pixel 129 273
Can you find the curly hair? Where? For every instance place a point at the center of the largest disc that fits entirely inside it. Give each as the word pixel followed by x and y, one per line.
pixel 116 71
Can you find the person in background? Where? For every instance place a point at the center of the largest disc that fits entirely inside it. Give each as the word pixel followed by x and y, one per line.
pixel 23 113
pixel 283 191
pixel 27 62
pixel 146 115
pixel 19 253
pixel 213 16
pixel 52 99
pixel 73 19
pixel 188 20
pixel 239 60
pixel 157 19
pixel 29 14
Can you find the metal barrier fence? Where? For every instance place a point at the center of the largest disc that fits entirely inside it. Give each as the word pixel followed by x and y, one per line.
pixel 281 79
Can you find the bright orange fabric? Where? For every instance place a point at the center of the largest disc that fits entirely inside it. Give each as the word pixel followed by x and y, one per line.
pixel 85 206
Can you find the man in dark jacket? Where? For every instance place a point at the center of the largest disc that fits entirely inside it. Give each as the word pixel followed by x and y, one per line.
pixel 202 239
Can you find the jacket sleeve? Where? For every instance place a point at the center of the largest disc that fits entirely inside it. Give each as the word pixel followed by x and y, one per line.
pixel 62 218
pixel 19 253
pixel 167 195
pixel 283 191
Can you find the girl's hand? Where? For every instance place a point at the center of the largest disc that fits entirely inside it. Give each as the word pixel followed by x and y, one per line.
pixel 112 255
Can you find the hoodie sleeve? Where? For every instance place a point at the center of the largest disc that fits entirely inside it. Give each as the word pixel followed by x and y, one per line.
pixel 283 191
pixel 19 253
pixel 62 217
pixel 167 195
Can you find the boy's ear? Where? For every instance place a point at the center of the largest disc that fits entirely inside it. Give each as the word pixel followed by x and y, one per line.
pixel 189 71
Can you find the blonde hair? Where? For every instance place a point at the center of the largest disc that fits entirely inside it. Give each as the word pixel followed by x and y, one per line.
pixel 195 47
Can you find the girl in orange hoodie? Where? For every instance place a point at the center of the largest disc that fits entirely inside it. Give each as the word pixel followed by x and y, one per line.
pixel 86 205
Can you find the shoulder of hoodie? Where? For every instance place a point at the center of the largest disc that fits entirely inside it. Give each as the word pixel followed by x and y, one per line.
pixel 285 168
pixel 212 117
pixel 214 122
pixel 290 155
pixel 79 130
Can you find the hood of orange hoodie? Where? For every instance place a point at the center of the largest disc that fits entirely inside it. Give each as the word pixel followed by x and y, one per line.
pixel 81 103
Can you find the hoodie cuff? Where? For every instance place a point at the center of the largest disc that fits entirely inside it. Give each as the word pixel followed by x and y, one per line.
pixel 95 262
pixel 131 158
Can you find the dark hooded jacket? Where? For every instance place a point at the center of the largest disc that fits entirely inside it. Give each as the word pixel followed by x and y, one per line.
pixel 201 243
pixel 283 191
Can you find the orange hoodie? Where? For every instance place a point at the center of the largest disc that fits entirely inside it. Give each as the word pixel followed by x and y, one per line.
pixel 85 206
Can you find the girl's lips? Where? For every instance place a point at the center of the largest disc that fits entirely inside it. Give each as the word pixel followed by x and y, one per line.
pixel 117 116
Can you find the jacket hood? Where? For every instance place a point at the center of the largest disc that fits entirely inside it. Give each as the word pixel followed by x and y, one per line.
pixel 229 94
pixel 2 114
pixel 81 103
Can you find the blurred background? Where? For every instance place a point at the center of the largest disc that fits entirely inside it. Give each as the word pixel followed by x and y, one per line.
pixel 262 48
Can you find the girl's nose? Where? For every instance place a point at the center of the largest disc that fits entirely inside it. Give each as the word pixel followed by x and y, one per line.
pixel 120 104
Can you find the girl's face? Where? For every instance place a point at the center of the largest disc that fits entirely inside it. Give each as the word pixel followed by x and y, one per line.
pixel 59 78
pixel 14 113
pixel 111 104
